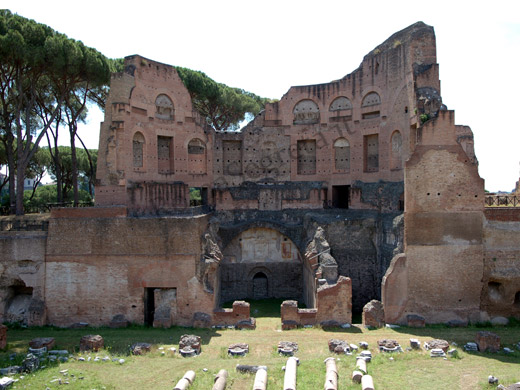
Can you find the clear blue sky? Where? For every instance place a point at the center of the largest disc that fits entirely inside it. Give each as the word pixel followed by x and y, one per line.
pixel 265 47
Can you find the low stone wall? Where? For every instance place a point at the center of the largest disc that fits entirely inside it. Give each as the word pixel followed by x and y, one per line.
pixel 504 214
pixel 241 311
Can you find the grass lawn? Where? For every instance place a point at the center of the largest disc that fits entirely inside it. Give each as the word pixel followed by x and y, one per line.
pixel 408 370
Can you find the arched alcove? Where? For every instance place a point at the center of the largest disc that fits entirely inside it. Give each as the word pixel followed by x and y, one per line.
pixel 261 263
pixel 138 150
pixel 306 112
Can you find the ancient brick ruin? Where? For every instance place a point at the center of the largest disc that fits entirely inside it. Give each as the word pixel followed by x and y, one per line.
pixel 340 193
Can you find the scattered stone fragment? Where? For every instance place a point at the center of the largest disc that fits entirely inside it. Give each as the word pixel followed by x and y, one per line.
pixel 373 314
pixel 501 387
pixel 59 352
pixel 367 355
pixel 78 325
pixel 346 326
pixel 81 359
pixel 437 343
pixel 41 342
pixel 287 348
pixel 5 382
pixel 492 380
pixel 140 348
pixel 471 347
pixel 244 368
pixel 508 350
pixel 250 323
pixel 121 361
pixel 389 345
pixel 453 352
pixel 514 386
pixel 10 370
pixel 363 345
pixel 91 343
pixel 353 347
pixel 487 341
pixel 415 344
pixel 338 346
pixel 392 326
pixel 437 352
pixel 190 340
pixel 30 363
pixel 38 351
pixel 188 351
pixel 239 349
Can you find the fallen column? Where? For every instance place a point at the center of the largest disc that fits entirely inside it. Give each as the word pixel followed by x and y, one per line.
pixel 356 376
pixel 220 380
pixel 289 381
pixel 367 383
pixel 186 381
pixel 331 376
pixel 260 379
pixel 361 365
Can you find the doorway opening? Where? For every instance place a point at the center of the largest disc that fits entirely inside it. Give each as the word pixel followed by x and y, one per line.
pixel 260 286
pixel 149 305
pixel 340 197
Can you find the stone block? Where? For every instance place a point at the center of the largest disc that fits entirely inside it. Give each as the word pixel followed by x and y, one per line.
pixel 289 324
pixel 437 344
pixel 374 314
pixel 91 343
pixel 140 348
pixel 190 340
pixel 246 324
pixel 201 320
pixel 487 341
pixel 40 342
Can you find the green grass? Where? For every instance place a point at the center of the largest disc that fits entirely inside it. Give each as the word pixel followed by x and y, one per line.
pixel 409 370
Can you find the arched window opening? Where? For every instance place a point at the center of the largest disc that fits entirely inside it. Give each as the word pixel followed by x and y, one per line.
pixel 342 155
pixel 197 156
pixel 396 153
pixel 164 108
pixel 370 105
pixel 137 149
pixel 306 112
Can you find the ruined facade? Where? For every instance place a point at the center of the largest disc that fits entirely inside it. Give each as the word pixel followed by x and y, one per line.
pixel 358 189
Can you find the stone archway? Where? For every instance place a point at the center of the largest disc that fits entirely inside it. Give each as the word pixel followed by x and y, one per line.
pixel 261 263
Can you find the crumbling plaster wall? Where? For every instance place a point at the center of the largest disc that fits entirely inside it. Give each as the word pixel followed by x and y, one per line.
pixel 104 270
pixel 22 269
pixel 439 276
pixel 501 287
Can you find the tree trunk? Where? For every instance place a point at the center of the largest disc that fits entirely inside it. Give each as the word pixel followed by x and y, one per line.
pixel 92 173
pixel 74 163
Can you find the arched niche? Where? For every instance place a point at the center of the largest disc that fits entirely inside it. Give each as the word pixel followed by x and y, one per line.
pixel 263 258
pixel 371 99
pixel 196 156
pixel 306 112
pixel 340 103
pixel 396 150
pixel 138 150
pixel 164 108
pixel 342 155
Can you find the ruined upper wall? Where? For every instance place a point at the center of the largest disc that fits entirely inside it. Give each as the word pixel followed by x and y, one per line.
pixel 359 129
